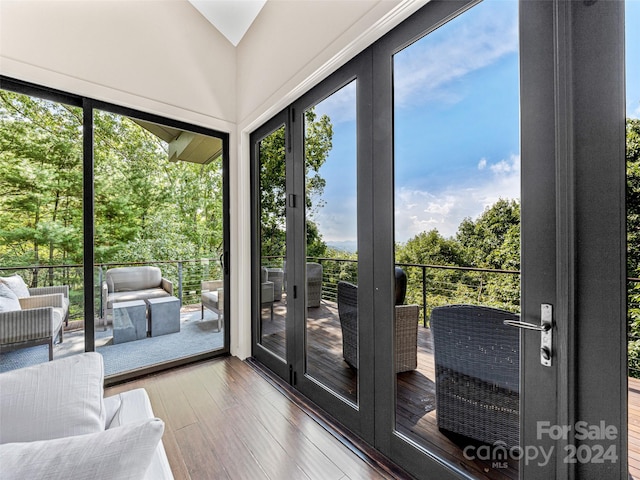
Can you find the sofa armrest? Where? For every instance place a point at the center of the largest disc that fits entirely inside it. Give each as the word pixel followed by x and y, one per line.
pixel 167 286
pixel 132 407
pixel 24 325
pixel 51 300
pixel 63 289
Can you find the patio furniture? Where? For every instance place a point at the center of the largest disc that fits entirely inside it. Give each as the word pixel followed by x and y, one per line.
pixel 30 321
pixel 125 284
pixel 405 329
pixel 477 372
pixel 164 315
pixel 276 275
pixel 18 286
pixel 212 297
pixel 314 284
pixel 129 321
pixel 267 296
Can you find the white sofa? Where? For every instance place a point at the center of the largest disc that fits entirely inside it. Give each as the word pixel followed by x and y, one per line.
pixel 55 424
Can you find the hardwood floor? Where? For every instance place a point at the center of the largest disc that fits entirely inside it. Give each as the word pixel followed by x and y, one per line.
pixel 223 420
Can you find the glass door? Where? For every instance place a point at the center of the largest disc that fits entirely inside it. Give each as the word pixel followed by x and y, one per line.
pixel 159 242
pixel 457 239
pixel 272 289
pixel 489 232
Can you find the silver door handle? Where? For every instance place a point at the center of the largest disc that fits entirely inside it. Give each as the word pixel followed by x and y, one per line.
pixel 546 332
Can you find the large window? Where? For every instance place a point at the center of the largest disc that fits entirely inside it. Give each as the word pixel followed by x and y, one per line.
pixel 130 220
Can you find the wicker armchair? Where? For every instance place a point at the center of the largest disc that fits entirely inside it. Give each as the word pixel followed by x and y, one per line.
pixel 38 323
pixel 406 329
pixel 314 284
pixel 477 372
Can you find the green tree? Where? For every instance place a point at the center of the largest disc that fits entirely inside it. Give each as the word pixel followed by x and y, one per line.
pixel 40 181
pixel 633 242
pixel 272 172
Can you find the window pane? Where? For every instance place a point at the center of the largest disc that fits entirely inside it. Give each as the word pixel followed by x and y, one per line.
pixel 457 191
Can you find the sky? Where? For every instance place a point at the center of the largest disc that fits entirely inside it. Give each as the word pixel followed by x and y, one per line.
pixel 456 125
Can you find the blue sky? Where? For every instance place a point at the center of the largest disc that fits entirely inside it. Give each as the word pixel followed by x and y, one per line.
pixel 456 115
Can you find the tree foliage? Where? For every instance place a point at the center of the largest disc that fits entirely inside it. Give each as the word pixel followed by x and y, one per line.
pixel 273 192
pixel 146 208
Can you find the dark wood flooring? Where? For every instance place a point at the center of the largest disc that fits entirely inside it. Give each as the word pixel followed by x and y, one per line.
pixel 224 420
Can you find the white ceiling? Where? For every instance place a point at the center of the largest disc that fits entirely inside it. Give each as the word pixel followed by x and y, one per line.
pixel 231 17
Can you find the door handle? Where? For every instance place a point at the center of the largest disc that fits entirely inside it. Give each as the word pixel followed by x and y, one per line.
pixel 546 332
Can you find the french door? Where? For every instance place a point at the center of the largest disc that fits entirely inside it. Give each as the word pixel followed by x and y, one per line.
pixel 540 78
pixel 312 167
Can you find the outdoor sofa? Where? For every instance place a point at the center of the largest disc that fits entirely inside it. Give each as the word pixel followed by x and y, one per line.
pixel 125 284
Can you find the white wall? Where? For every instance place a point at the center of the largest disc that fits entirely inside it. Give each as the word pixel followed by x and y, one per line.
pixel 158 56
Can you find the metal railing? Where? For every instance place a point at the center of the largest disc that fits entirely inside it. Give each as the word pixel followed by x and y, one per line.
pixel 186 276
pixel 427 286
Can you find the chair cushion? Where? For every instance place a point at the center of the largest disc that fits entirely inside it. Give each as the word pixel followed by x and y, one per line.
pixel 128 279
pixel 118 453
pixel 210 298
pixel 8 299
pixel 16 283
pixel 52 400
pixel 116 297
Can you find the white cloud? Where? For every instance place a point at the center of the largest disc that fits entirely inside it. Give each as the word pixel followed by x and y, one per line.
pixel 482 164
pixel 428 69
pixel 421 210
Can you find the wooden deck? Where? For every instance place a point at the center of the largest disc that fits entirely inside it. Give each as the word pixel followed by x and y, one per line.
pixel 415 406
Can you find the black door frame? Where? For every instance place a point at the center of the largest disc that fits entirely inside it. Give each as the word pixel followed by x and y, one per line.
pixel 573 232
pixel 88 105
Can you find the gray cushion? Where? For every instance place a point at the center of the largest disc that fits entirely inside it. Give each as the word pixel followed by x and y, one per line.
pixel 116 297
pixel 129 279
pixel 8 299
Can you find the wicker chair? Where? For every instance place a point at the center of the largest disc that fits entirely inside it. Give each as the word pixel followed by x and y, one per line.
pixel 314 284
pixel 406 329
pixel 477 372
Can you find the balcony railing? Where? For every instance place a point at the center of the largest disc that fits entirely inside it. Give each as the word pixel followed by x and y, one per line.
pixel 186 276
pixel 428 286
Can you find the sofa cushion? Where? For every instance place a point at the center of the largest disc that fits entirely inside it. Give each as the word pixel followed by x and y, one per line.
pixel 16 283
pixel 116 297
pixel 119 453
pixel 8 299
pixel 51 400
pixel 128 279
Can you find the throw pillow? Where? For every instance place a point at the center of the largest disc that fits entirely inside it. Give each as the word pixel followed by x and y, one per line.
pixel 16 283
pixel 52 400
pixel 8 299
pixel 121 453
